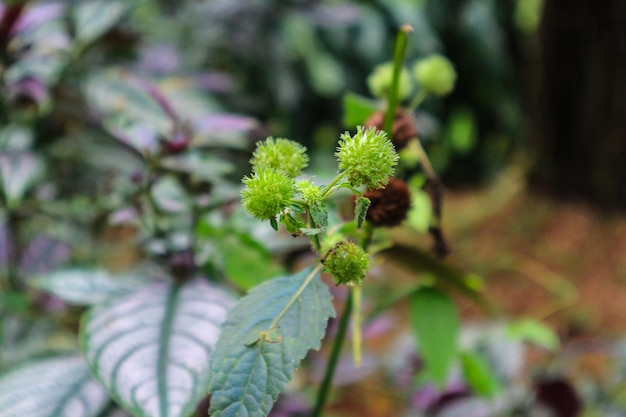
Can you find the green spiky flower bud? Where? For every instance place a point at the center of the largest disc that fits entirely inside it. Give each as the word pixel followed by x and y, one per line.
pixel 280 154
pixel 379 81
pixel 347 263
pixel 435 74
pixel 267 193
pixel 310 192
pixel 367 158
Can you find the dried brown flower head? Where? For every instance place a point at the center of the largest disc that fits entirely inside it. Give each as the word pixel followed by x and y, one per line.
pixel 389 205
pixel 404 128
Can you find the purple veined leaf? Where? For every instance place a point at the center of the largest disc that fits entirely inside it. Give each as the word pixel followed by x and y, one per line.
pixel 43 254
pixel 29 89
pixel 94 18
pixel 222 129
pixel 38 14
pixel 160 59
pixel 217 82
pixel 18 172
pixel 53 387
pixel 136 135
pixel 152 348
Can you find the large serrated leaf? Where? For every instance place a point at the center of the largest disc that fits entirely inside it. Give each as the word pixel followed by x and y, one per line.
pixel 436 324
pixel 152 348
pixel 253 360
pixel 56 387
pixel 84 286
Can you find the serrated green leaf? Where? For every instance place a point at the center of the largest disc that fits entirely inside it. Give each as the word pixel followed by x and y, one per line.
pixel 436 324
pixel 292 223
pixel 152 348
pixel 319 214
pixel 356 109
pixel 54 387
pixel 82 286
pixel 360 210
pixel 478 375
pixel 253 360
pixel 534 332
pixel 94 18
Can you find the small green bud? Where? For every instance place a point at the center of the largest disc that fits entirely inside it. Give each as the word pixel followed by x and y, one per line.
pixel 435 74
pixel 280 154
pixel 380 79
pixel 347 262
pixel 310 192
pixel 367 158
pixel 267 193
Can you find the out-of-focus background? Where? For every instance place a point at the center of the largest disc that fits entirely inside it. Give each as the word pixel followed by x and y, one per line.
pixel 531 147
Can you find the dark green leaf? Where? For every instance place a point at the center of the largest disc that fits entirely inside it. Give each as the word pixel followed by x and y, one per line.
pixel 274 223
pixel 356 109
pixel 360 210
pixel 292 223
pixel 253 360
pixel 436 324
pixel 152 348
pixel 478 375
pixel 319 214
pixel 55 387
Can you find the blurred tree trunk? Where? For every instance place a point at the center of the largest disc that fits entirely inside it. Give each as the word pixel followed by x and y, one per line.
pixel 580 120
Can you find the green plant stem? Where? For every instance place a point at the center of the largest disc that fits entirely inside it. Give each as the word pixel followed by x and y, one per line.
pixel 322 394
pixel 398 60
pixel 417 100
pixel 329 188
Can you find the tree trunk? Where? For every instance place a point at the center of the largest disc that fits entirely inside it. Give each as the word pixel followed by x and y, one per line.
pixel 580 116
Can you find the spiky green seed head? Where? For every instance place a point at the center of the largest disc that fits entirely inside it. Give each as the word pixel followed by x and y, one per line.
pixel 310 192
pixel 280 154
pixel 347 263
pixel 380 79
pixel 435 74
pixel 267 193
pixel 367 158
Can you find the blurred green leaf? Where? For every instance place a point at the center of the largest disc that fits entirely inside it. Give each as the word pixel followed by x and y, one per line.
pixel 55 387
pixel 478 375
pixel 534 332
pixel 436 324
pixel 420 214
pixel 356 109
pixel 461 130
pixel 94 18
pixel 170 196
pixel 19 171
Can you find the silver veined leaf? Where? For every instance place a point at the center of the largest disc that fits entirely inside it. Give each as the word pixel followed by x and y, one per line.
pixel 53 387
pixel 94 18
pixel 18 172
pixel 151 349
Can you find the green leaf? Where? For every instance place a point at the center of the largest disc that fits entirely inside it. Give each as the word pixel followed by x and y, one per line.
pixel 83 286
pixel 18 172
pixel 319 214
pixel 360 210
pixel 534 332
pixel 292 223
pixel 436 324
pixel 93 19
pixel 478 375
pixel 356 109
pixel 170 195
pixel 461 130
pixel 54 387
pixel 420 214
pixel 151 349
pixel 246 262
pixel 253 360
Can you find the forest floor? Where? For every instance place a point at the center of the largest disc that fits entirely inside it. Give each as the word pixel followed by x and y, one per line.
pixel 560 261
